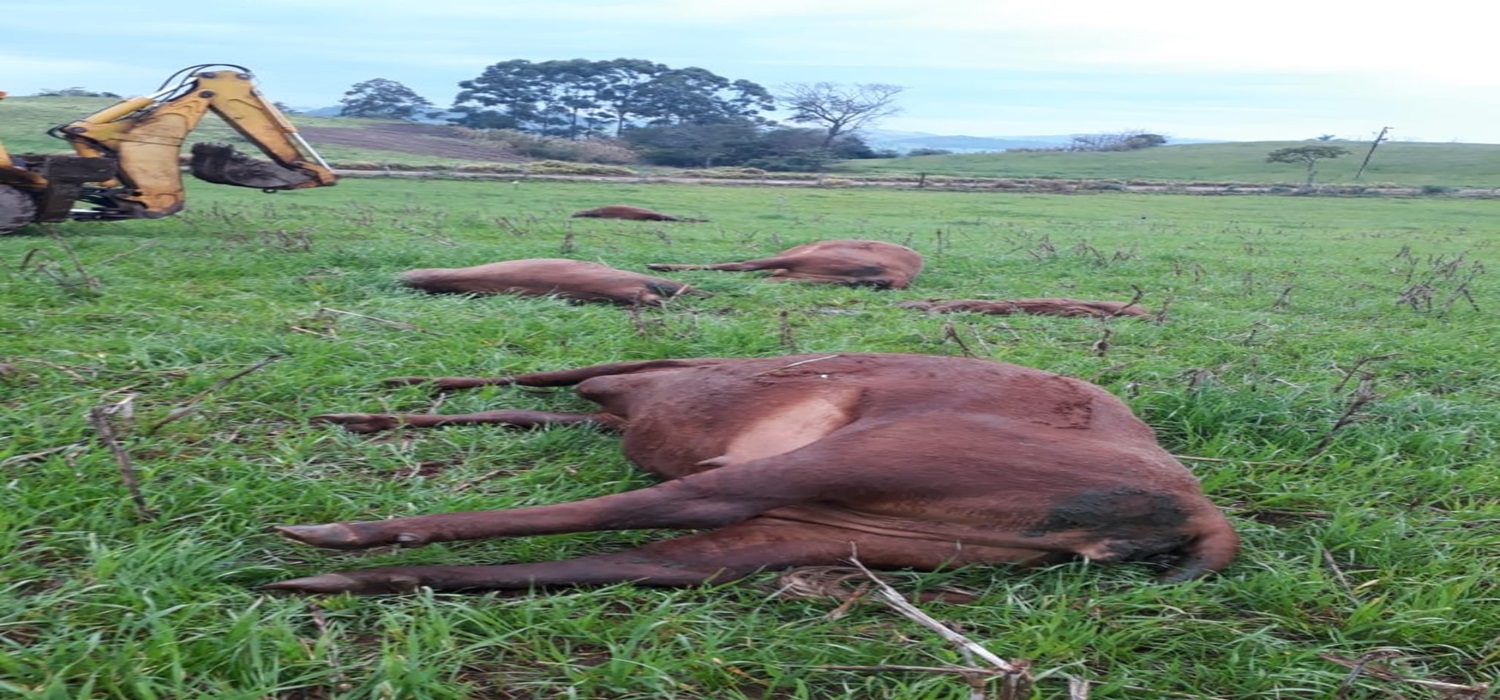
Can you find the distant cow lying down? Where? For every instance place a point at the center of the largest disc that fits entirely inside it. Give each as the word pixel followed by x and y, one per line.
pixel 629 213
pixel 1039 307
pixel 905 461
pixel 567 279
pixel 852 262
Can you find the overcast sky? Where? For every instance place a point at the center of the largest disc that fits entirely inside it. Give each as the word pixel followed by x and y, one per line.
pixel 1248 70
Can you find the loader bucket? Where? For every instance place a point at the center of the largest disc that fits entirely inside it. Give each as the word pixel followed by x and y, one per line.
pixel 222 164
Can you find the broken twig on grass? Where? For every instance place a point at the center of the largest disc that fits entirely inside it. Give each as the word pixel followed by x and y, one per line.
pixel 951 333
pixel 1362 395
pixel 1015 675
pixel 1139 293
pixel 40 454
pixel 1354 371
pixel 192 404
pixel 396 324
pixel 1365 665
pixel 99 419
pixel 1339 574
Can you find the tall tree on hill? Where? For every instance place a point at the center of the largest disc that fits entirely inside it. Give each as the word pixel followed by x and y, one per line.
pixel 625 80
pixel 698 96
pixel 384 99
pixel 579 98
pixel 840 109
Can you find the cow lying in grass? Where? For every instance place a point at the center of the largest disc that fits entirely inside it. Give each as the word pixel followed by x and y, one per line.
pixel 852 262
pixel 629 213
pixel 567 279
pixel 1039 307
pixel 905 461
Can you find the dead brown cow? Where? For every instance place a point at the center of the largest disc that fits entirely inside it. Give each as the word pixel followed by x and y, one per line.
pixel 852 262
pixel 1039 307
pixel 906 461
pixel 568 279
pixel 629 213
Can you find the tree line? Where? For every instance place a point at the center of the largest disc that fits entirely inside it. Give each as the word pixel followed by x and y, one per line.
pixel 671 116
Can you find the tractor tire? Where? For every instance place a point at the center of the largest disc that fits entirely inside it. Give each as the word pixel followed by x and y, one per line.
pixel 17 209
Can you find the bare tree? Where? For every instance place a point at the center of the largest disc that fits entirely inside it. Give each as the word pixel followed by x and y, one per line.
pixel 839 109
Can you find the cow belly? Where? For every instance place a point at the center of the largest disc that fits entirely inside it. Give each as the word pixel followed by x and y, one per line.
pixel 673 446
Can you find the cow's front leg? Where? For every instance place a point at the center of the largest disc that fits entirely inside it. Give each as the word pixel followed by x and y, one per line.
pixel 698 501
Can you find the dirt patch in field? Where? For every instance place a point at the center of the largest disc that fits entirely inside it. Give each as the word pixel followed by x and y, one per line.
pixel 430 140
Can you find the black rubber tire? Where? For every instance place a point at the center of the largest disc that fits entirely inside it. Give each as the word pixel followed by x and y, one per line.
pixel 16 209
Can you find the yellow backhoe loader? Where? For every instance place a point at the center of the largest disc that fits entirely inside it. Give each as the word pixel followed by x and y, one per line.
pixel 128 162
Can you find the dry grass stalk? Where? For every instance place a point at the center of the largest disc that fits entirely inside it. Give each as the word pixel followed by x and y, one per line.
pixel 1354 371
pixel 951 333
pixel 1363 395
pixel 396 324
pixel 1365 665
pixel 796 364
pixel 788 341
pixel 1139 293
pixel 192 403
pixel 42 261
pixel 1161 311
pixel 1285 299
pixel 99 419
pixel 1339 574
pixel 41 453
pixel 1100 347
pixel 1015 676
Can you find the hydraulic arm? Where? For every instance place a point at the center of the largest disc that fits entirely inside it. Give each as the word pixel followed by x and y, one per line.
pixel 129 155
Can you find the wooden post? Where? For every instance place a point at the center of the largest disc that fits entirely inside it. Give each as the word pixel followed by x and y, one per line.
pixel 1378 138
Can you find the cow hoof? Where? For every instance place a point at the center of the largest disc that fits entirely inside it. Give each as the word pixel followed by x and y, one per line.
pixel 359 422
pixel 331 536
pixel 362 583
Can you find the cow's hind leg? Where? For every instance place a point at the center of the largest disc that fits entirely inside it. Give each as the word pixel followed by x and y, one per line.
pixel 719 555
pixel 564 377
pixel 726 554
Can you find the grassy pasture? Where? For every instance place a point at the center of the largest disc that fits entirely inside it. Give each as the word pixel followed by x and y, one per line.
pixel 1438 166
pixel 1433 165
pixel 1365 531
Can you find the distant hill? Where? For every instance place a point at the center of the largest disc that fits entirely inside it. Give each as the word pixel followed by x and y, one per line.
pixel 904 141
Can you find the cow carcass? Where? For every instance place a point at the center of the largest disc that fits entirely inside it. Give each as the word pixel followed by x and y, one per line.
pixel 905 461
pixel 852 262
pixel 576 280
pixel 1047 306
pixel 629 213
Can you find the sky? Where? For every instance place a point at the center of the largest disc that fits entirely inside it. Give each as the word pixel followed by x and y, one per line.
pixel 1262 70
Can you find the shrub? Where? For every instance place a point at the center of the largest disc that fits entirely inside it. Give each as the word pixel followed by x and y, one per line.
pixel 554 148
pixel 554 167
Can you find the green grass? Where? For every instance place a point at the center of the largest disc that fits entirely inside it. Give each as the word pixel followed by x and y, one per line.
pixel 1387 539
